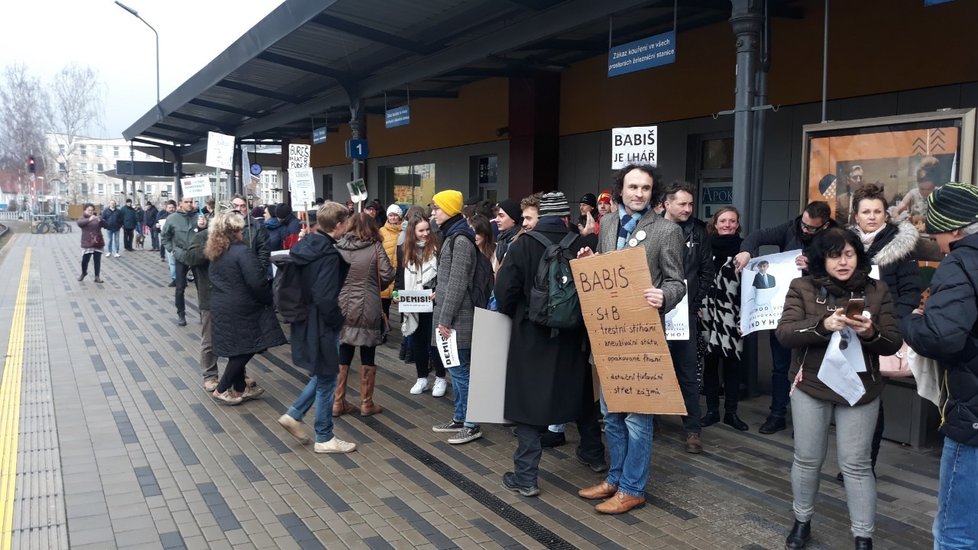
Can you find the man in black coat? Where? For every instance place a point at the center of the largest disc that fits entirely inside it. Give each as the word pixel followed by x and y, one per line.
pixel 113 223
pixel 255 235
pixel 129 221
pixel 149 220
pixel 315 341
pixel 796 234
pixel 947 330
pixel 698 262
pixel 548 380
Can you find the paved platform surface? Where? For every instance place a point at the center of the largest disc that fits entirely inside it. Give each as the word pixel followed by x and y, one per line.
pixel 115 445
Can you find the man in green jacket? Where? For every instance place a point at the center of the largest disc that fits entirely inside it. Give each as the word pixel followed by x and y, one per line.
pixel 178 233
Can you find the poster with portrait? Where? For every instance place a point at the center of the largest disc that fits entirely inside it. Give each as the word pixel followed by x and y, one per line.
pixel 763 289
pixel 907 156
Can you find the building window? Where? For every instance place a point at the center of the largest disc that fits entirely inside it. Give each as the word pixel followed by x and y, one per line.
pixel 61 167
pixel 101 188
pixel 61 149
pixel 82 150
pixel 408 185
pixel 115 152
pixel 101 168
pixel 83 166
pixel 98 150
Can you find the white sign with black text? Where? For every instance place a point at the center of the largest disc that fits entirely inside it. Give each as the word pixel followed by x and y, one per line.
pixel 220 151
pixel 196 187
pixel 677 319
pixel 635 145
pixel 763 288
pixel 414 301
pixel 299 155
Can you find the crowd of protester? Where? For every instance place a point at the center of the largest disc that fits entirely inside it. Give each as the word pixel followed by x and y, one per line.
pixel 353 260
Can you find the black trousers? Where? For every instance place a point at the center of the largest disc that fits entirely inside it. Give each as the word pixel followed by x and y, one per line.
pixel 234 373
pixel 367 355
pixel 127 238
pixel 731 382
pixel 421 348
pixel 181 269
pixel 97 260
pixel 684 361
pixel 526 458
pixel 590 449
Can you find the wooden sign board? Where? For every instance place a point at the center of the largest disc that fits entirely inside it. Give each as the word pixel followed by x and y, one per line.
pixel 627 338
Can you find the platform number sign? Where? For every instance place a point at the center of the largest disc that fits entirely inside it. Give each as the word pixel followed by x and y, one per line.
pixel 356 149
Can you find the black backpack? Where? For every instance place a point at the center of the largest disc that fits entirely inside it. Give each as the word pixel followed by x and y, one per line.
pixel 554 301
pixel 289 296
pixel 483 280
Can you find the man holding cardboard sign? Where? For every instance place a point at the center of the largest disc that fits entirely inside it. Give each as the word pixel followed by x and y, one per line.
pixel 630 351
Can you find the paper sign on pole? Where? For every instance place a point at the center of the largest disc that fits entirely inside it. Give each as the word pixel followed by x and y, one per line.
pixel 763 288
pixel 196 187
pixel 299 155
pixel 627 341
pixel 414 301
pixel 357 189
pixel 302 188
pixel 677 319
pixel 488 368
pixel 220 151
pixel 635 145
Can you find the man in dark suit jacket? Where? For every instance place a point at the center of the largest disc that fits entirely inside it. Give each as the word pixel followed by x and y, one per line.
pixel 762 280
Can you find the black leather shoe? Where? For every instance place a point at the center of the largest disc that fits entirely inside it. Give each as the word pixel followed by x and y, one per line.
pixel 773 424
pixel 710 418
pixel 863 543
pixel 734 421
pixel 799 535
pixel 552 439
pixel 181 320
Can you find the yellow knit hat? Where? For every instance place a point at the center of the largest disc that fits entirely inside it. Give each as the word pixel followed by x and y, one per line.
pixel 450 202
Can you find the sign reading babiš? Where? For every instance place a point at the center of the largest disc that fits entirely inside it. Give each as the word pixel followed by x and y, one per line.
pixel 635 145
pixel 627 340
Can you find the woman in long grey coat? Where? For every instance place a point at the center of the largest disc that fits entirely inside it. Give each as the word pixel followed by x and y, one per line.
pixel 243 320
pixel 364 323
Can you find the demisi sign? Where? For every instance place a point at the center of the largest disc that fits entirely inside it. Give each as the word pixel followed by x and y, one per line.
pixel 642 54
pixel 635 145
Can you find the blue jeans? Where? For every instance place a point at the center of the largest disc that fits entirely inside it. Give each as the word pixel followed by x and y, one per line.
pixel 780 385
pixel 173 266
pixel 954 525
pixel 460 386
pixel 318 390
pixel 629 437
pixel 112 245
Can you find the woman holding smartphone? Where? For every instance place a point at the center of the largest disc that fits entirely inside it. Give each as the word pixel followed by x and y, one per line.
pixel 819 305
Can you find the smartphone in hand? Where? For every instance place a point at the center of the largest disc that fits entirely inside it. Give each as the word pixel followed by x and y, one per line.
pixel 855 307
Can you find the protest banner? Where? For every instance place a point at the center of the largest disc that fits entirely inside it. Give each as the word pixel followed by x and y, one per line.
pixel 220 151
pixel 302 188
pixel 677 319
pixel 299 155
pixel 414 301
pixel 196 187
pixel 763 288
pixel 627 340
pixel 448 350
pixel 488 367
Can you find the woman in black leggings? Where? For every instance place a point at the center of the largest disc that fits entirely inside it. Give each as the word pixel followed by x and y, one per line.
pixel 242 318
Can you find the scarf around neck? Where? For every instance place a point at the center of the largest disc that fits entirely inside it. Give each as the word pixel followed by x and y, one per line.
pixel 867 238
pixel 627 225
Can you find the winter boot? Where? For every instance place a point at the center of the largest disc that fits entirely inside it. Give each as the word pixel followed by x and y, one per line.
pixel 340 405
pixel 368 376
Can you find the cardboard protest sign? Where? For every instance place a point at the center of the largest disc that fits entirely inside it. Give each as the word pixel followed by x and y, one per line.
pixel 196 187
pixel 627 339
pixel 763 288
pixel 414 301
pixel 220 150
pixel 488 367
pixel 299 155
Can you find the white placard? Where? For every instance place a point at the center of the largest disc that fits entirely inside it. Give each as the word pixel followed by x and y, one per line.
pixel 677 319
pixel 762 294
pixel 635 145
pixel 414 301
pixel 302 188
pixel 220 150
pixel 357 189
pixel 298 156
pixel 196 187
pixel 488 368
pixel 448 350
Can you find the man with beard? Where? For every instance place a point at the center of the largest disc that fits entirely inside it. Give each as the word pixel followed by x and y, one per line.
pixel 509 219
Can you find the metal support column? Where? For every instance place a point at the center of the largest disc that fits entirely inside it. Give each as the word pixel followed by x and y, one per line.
pixel 357 129
pixel 746 19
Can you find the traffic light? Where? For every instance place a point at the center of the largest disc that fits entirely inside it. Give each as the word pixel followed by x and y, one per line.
pixel 31 166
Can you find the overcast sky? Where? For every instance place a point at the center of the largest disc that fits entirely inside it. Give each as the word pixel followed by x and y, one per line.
pixel 46 35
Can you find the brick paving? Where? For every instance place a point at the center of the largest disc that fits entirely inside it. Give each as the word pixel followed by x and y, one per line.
pixel 144 459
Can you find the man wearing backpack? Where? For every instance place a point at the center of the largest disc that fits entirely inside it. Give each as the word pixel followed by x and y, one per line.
pixel 453 307
pixel 636 224
pixel 947 330
pixel 548 379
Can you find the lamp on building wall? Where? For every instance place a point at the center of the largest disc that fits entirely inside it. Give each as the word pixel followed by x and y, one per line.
pixel 136 15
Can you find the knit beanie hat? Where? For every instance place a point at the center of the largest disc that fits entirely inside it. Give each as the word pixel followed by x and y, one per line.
pixel 554 203
pixel 450 202
pixel 283 211
pixel 589 199
pixel 512 209
pixel 394 209
pixel 258 212
pixel 953 206
pixel 605 196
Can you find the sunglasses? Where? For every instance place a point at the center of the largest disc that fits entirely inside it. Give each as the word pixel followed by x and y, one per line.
pixel 812 228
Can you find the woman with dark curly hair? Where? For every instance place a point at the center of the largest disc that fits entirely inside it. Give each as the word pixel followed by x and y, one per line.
pixel 835 307
pixel 92 242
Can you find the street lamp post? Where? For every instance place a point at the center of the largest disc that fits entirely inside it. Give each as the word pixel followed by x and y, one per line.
pixel 136 15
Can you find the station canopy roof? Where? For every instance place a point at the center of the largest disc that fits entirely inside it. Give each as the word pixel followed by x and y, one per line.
pixel 297 68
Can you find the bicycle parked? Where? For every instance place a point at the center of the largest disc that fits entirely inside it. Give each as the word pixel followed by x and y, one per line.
pixel 50 224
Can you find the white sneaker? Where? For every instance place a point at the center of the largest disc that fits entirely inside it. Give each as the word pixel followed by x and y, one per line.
pixel 440 386
pixel 420 386
pixel 294 427
pixel 116 254
pixel 335 445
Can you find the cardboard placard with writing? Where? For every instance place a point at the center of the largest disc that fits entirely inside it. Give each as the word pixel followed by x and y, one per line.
pixel 627 338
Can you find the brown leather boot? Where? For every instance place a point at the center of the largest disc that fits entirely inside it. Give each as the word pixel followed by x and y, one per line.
pixel 368 376
pixel 340 405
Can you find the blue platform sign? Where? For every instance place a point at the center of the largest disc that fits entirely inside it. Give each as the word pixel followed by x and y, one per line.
pixel 356 149
pixel 398 116
pixel 319 135
pixel 935 2
pixel 642 54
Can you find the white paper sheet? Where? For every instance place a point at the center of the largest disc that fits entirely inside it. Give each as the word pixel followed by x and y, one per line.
pixel 839 371
pixel 415 301
pixel 448 350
